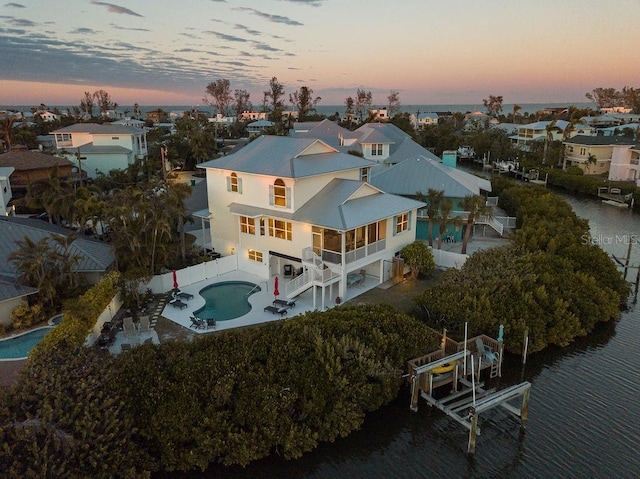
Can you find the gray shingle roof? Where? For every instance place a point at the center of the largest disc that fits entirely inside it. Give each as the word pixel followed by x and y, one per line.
pixel 103 149
pixel 599 140
pixel 422 173
pixel 283 157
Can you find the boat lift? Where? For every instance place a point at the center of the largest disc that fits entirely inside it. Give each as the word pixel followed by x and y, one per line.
pixel 466 405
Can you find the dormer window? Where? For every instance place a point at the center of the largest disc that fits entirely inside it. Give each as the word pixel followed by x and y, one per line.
pixel 376 149
pixel 364 174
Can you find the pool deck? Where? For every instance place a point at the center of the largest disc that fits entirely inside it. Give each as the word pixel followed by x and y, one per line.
pixel 258 301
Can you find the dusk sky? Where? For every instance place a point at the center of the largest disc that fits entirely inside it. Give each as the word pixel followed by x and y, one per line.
pixel 165 52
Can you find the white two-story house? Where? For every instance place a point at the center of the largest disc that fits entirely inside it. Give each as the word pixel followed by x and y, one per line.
pixel 284 203
pixel 96 148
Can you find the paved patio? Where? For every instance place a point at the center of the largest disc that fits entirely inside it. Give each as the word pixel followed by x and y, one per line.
pixel 258 301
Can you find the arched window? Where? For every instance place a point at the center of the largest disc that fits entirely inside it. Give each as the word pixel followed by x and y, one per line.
pixel 234 183
pixel 279 193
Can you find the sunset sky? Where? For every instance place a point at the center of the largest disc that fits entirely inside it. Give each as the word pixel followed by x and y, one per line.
pixel 165 52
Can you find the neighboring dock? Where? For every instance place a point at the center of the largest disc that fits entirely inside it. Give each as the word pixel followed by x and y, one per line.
pixel 614 197
pixel 461 365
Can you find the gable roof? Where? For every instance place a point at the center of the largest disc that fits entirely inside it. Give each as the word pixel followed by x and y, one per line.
pixel 422 173
pixel 286 157
pixel 326 130
pixel 94 256
pixel 542 125
pixel 347 204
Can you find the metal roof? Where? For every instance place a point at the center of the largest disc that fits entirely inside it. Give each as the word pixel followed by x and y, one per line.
pixel 102 149
pixel 100 129
pixel 286 157
pixel 10 290
pixel 422 173
pixel 599 140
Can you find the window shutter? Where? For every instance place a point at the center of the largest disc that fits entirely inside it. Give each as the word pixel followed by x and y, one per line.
pixel 288 196
pixel 395 225
pixel 240 185
pixel 271 195
pixel 409 220
pixel 228 183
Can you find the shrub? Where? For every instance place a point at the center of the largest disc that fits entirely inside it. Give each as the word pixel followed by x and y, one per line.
pixel 25 316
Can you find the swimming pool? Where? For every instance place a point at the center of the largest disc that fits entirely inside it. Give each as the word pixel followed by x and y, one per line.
pixel 18 347
pixel 227 300
pixel 56 320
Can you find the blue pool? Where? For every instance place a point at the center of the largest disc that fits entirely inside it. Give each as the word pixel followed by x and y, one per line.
pixel 227 300
pixel 18 347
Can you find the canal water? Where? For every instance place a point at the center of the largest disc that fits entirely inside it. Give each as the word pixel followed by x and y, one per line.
pixel 584 410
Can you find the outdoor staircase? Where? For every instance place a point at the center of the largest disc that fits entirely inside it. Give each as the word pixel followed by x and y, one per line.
pixel 316 273
pixel 495 365
pixel 492 222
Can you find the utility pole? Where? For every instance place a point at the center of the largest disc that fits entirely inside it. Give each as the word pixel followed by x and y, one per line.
pixel 80 165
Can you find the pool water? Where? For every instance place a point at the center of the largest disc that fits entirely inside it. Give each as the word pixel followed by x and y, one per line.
pixel 228 300
pixel 18 347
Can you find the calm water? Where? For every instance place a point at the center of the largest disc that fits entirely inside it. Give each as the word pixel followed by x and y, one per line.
pixel 20 346
pixel 584 412
pixel 228 300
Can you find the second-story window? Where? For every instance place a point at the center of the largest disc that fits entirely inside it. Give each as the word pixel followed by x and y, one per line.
pixel 376 149
pixel 364 174
pixel 402 223
pixel 234 183
pixel 280 229
pixel 279 194
pixel 247 225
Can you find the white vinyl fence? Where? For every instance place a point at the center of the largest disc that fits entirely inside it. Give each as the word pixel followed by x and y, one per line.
pixel 162 283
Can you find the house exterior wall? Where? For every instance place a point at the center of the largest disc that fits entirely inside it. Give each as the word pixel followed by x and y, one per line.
pixel 136 143
pixel 6 307
pixel 23 177
pixel 5 194
pixel 578 155
pixel 624 164
pixel 92 163
pixel 367 150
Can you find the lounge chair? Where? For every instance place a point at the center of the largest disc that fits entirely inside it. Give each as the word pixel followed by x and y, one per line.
pixel 176 303
pixel 284 303
pixel 274 310
pixel 197 323
pixel 485 351
pixel 186 296
pixel 211 323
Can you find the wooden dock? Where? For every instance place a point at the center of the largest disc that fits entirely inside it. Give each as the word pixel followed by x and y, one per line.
pixel 465 363
pixel 614 196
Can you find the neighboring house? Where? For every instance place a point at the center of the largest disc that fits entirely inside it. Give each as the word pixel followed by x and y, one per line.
pixel 299 202
pixel 422 120
pixel 627 129
pixel 625 163
pixel 379 114
pixel 253 115
pixel 48 116
pixel 329 132
pixel 594 154
pixel 130 122
pixel 555 130
pixel 220 119
pixel 601 121
pixel 12 295
pixel 5 190
pixel 615 109
pixel 46 142
pixel 259 126
pixel 476 121
pixel 94 257
pixel 96 148
pixel 33 165
pixel 416 176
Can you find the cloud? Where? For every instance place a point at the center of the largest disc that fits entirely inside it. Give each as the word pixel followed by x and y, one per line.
pixel 117 9
pixel 238 26
pixel 313 3
pixel 14 5
pixel 20 22
pixel 270 17
pixel 230 38
pixel 83 31
pixel 119 27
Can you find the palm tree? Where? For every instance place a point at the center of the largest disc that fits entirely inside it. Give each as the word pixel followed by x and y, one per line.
pixel 444 219
pixel 547 139
pixel 434 202
pixel 516 109
pixel 476 205
pixel 33 261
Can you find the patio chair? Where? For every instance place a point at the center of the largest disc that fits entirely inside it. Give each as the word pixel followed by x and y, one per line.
pixel 145 324
pixel 211 323
pixel 128 327
pixel 274 310
pixel 485 351
pixel 197 323
pixel 176 303
pixel 183 295
pixel 363 275
pixel 284 303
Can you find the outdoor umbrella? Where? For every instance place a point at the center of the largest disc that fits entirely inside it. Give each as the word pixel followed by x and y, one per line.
pixel 275 287
pixel 175 279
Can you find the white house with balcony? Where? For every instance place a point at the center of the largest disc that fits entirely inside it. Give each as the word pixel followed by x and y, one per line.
pixel 298 205
pixel 100 148
pixel 594 155
pixel 5 190
pixel 625 163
